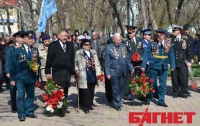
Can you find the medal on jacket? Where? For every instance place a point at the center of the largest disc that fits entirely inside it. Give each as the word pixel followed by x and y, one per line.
pixel 115 52
pixel 123 52
pixel 184 44
pixel 21 57
pixel 139 45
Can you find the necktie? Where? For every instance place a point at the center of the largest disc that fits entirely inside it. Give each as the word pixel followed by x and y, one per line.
pixel 29 53
pixel 161 44
pixel 64 47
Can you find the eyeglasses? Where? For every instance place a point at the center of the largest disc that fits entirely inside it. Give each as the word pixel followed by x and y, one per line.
pixel 131 32
pixel 86 44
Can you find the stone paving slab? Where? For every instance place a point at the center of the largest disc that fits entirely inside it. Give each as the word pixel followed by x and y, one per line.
pixel 102 115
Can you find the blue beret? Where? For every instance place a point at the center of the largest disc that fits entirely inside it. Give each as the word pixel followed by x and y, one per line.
pixel 45 37
pixel 19 34
pixel 146 31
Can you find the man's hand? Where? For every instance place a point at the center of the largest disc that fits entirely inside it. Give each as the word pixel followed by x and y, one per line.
pixel 132 71
pixel 77 73
pixel 48 76
pixel 108 76
pixel 12 83
pixel 192 61
pixel 8 75
pixel 142 69
pixel 189 65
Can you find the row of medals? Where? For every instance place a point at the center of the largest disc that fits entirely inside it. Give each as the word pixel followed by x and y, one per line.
pixel 115 52
pixel 87 63
pixel 21 57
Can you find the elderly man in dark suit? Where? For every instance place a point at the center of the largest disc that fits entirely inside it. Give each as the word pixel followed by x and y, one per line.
pixel 60 59
pixel 117 63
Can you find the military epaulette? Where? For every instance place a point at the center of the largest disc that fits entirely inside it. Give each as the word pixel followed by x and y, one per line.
pixel 11 45
pixel 18 46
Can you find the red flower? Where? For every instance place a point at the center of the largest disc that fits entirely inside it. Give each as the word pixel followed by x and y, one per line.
pixel 37 84
pixel 44 97
pixel 54 106
pixel 142 74
pixel 145 91
pixel 141 88
pixel 133 91
pixel 194 86
pixel 151 81
pixel 153 91
pixel 134 82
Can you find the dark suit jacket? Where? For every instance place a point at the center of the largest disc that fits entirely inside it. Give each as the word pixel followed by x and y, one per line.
pixel 62 63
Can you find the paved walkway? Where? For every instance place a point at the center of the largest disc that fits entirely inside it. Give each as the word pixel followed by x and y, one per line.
pixel 103 115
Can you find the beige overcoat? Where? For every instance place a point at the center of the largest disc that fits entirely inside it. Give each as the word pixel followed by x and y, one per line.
pixel 80 65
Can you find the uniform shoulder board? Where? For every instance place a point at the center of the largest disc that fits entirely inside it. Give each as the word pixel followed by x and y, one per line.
pixel 11 44
pixel 18 46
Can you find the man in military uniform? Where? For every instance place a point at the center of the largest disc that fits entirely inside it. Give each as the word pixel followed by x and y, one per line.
pixel 117 62
pixel 183 56
pixel 133 44
pixel 13 89
pixel 23 77
pixel 162 54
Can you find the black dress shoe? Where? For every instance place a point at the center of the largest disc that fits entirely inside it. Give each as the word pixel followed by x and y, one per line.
pixel 31 116
pixel 183 96
pixel 156 96
pixel 14 110
pixel 85 111
pixel 90 108
pixel 62 114
pixel 175 96
pixel 188 93
pixel 94 105
pixel 67 111
pixel 141 98
pixel 163 105
pixel 118 109
pixel 127 98
pixel 147 103
pixel 22 119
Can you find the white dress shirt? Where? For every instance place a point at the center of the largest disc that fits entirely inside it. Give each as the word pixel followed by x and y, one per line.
pixel 26 47
pixel 87 52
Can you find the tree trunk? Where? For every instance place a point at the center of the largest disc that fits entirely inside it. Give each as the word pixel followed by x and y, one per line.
pixel 119 23
pixel 8 17
pixel 151 15
pixel 144 14
pixel 4 30
pixel 178 11
pixel 169 11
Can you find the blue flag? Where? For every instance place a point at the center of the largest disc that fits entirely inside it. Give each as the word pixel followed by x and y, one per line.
pixel 47 9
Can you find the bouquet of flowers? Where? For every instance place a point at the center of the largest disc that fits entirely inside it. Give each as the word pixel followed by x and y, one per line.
pixel 136 57
pixel 33 65
pixel 54 98
pixel 191 76
pixel 140 86
pixel 101 77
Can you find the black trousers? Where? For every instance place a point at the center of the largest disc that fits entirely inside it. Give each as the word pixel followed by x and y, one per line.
pixel 108 89
pixel 66 92
pixel 86 96
pixel 180 80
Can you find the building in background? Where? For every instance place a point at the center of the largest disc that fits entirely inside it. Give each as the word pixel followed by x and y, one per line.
pixel 11 6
